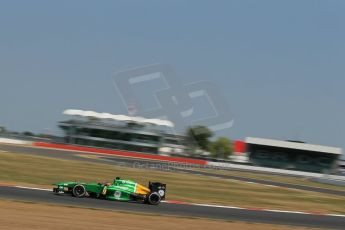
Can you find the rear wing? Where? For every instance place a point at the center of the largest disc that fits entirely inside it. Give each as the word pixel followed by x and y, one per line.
pixel 158 187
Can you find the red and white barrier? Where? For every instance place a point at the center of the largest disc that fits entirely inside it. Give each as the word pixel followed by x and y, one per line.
pixel 121 153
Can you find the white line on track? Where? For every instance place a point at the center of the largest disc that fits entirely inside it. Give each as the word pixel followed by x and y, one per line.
pixel 216 206
pixel 250 182
pixel 32 188
pixel 336 215
pixel 273 186
pixel 284 211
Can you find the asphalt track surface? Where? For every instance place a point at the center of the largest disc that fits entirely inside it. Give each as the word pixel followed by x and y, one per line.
pixel 320 221
pixel 152 164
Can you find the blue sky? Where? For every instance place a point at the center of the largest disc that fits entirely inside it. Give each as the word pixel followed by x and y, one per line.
pixel 280 64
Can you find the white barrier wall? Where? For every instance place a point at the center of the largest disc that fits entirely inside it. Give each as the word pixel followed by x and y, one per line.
pixel 273 170
pixel 14 141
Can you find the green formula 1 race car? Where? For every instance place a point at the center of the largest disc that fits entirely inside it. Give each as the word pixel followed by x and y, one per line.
pixel 121 190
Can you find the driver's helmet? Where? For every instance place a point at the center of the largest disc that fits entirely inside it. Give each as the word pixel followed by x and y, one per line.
pixel 116 179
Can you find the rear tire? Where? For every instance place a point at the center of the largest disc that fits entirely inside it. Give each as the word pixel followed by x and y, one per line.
pixel 154 198
pixel 79 191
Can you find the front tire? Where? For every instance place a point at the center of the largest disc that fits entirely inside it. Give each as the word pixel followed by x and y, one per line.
pixel 79 191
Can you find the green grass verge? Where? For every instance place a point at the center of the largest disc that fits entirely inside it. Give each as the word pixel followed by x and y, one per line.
pixel 24 168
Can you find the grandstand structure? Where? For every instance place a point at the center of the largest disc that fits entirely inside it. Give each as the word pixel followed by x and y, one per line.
pixel 105 130
pixel 293 155
pixel 341 165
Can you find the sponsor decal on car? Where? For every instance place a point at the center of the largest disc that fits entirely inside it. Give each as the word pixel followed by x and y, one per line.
pixel 117 194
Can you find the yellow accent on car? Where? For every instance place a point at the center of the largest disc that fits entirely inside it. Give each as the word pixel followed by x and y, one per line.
pixel 142 190
pixel 104 190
